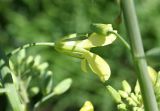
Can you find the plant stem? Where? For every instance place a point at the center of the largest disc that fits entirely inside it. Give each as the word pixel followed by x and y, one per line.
pixel 121 39
pixel 30 45
pixel 44 99
pixel 132 27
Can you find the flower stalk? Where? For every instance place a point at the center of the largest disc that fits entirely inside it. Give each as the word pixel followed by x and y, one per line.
pixel 132 27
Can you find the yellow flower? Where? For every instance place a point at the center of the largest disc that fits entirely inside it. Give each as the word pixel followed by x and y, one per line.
pixel 98 65
pixel 87 106
pixel 80 48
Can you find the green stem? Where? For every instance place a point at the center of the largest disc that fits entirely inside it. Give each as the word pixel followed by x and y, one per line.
pixel 30 45
pixel 122 40
pixel 132 27
pixel 43 100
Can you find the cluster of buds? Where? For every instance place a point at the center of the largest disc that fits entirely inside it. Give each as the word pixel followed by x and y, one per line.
pixel 128 100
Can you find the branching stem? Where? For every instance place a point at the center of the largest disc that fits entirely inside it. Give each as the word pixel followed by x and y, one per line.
pixel 30 45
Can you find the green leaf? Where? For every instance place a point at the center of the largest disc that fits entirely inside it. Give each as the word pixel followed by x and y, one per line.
pixel 98 65
pixel 63 86
pixel 114 94
pixel 126 86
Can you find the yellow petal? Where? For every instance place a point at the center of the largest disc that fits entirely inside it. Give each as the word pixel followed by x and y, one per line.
pixel 98 65
pixel 84 65
pixel 87 106
pixel 96 40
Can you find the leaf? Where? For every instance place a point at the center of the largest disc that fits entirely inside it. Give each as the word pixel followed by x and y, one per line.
pixel 63 86
pixel 126 86
pixel 114 94
pixel 98 65
pixel 87 106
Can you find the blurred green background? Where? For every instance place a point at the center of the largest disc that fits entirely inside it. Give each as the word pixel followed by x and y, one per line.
pixel 26 21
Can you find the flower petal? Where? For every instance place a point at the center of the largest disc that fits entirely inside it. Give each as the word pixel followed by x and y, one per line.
pixel 96 40
pixel 87 106
pixel 98 65
pixel 84 65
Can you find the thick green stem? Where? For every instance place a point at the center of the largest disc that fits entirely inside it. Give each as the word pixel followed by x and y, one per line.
pixel 30 45
pixel 132 27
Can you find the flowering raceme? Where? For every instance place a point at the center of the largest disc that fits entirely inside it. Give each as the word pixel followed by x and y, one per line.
pixel 79 47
